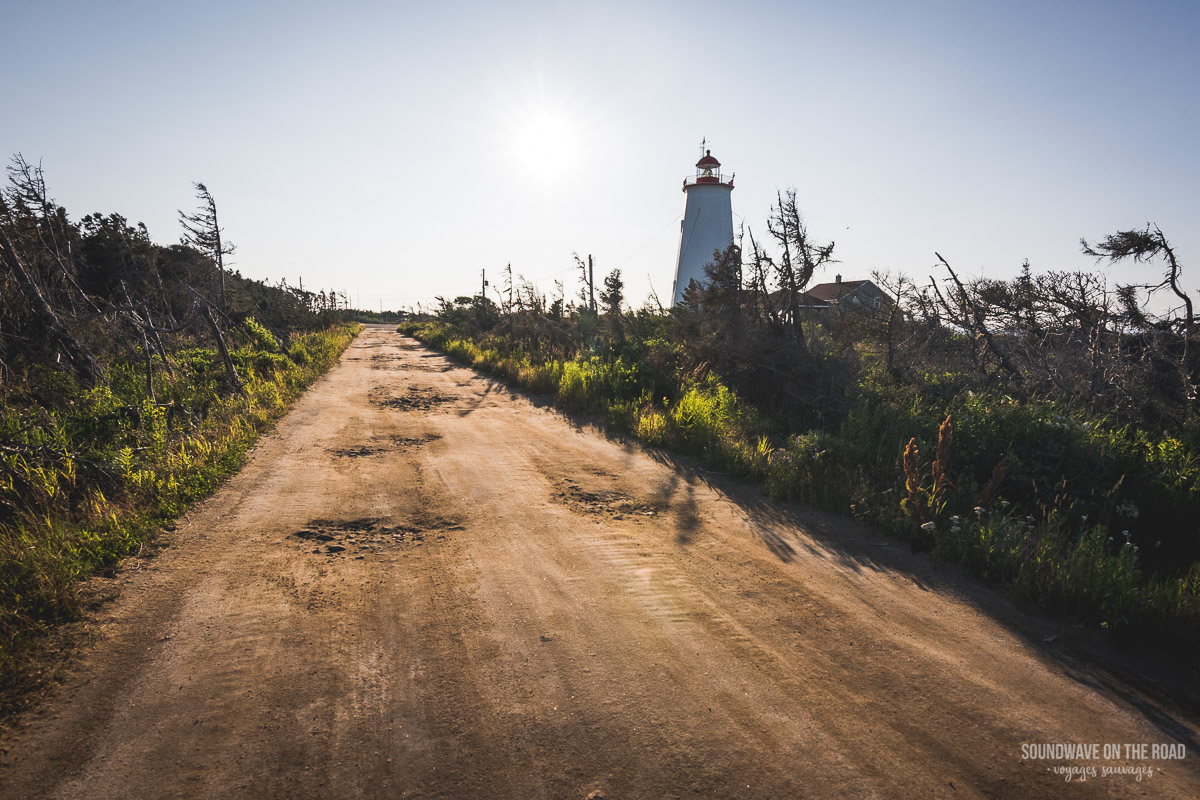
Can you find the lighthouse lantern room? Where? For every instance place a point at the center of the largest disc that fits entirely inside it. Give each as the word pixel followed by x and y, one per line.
pixel 707 225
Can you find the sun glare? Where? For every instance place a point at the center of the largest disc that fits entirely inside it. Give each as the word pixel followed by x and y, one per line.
pixel 546 145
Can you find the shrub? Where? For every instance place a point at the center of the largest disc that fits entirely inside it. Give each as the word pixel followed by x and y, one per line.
pixel 1020 492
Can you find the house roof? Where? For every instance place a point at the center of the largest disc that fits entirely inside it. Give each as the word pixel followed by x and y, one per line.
pixel 829 292
pixel 826 295
pixel 809 299
pixel 803 299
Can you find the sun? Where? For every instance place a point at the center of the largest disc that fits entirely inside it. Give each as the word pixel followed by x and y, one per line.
pixel 546 145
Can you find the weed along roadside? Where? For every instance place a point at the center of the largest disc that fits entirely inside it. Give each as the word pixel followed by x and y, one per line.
pixel 1021 493
pixel 422 584
pixel 90 474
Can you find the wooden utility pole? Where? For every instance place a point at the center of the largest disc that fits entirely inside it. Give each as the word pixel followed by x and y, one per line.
pixel 483 287
pixel 591 284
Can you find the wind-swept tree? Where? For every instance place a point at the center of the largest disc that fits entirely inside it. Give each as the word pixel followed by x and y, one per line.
pixel 1172 332
pixel 203 232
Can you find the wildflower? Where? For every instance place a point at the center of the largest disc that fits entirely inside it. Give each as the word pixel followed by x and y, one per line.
pixel 1128 509
pixel 929 527
pixel 978 511
pixel 1126 535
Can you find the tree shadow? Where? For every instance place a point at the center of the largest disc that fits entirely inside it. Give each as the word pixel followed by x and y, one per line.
pixel 1164 693
pixel 676 496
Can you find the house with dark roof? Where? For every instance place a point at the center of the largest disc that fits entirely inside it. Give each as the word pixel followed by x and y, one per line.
pixel 844 296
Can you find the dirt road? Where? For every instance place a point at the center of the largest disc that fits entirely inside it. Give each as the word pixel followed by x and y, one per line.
pixel 524 608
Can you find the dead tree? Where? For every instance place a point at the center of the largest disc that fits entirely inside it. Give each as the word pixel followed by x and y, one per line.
pixel 59 337
pixel 231 376
pixel 970 315
pixel 799 259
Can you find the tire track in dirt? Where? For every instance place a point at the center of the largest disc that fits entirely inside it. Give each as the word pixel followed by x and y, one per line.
pixel 524 608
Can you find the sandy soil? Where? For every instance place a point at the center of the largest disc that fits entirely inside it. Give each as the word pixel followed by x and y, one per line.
pixel 524 608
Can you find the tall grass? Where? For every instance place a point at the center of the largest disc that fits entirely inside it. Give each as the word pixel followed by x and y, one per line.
pixel 86 476
pixel 1024 494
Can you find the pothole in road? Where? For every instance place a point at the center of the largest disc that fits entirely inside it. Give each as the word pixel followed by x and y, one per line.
pixel 417 398
pixel 357 452
pixel 423 367
pixel 600 501
pixel 397 444
pixel 385 360
pixel 366 536
pixel 403 443
pixel 400 361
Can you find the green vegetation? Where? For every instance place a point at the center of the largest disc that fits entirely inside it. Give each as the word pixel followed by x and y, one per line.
pixel 903 420
pixel 133 378
pixel 1080 483
pixel 368 316
pixel 86 475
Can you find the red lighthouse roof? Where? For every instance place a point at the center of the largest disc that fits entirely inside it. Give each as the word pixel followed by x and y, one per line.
pixel 708 170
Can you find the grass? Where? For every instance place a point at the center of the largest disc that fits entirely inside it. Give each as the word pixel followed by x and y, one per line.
pixel 1025 494
pixel 88 476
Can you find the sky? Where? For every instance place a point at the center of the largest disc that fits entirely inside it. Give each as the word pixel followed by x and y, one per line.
pixel 393 150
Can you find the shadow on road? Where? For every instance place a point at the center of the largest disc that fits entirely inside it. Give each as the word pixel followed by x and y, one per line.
pixel 1166 694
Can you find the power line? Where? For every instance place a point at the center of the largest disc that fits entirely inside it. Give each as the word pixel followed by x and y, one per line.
pixel 673 220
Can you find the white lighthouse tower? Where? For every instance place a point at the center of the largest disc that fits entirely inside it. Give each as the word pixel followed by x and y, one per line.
pixel 707 222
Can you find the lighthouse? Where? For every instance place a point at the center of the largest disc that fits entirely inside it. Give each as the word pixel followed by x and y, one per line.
pixel 707 222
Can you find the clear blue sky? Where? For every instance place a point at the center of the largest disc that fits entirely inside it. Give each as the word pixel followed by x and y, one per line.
pixel 392 150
